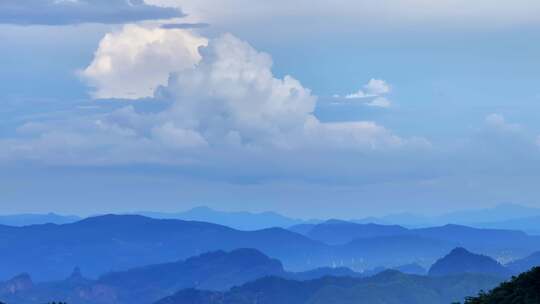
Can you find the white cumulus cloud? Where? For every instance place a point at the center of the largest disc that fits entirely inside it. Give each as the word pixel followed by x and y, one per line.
pixel 380 102
pixel 134 61
pixel 374 92
pixel 220 106
pixel 374 88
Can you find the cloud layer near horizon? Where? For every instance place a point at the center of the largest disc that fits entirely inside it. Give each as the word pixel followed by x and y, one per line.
pixel 65 12
pixel 367 15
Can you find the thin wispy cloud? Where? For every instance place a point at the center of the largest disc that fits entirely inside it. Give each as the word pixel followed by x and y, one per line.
pixel 65 12
pixel 372 94
pixel 184 25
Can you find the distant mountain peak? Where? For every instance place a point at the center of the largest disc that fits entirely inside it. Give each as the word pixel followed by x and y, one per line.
pixel 336 222
pixel 242 220
pixel 241 256
pixel 28 219
pixel 460 251
pixel 336 231
pixel 116 218
pixel 19 283
pixel 460 261
pixel 76 274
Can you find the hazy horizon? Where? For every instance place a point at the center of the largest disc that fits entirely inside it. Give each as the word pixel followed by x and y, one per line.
pixel 501 207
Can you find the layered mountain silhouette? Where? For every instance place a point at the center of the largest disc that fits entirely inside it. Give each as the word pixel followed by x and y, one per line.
pixel 323 272
pixel 249 276
pixel 388 287
pixel 214 271
pixel 341 232
pixel 411 269
pixel 112 242
pixel 461 261
pixel 37 219
pixel 390 251
pixel 503 216
pixel 525 264
pixel 217 271
pixel 120 242
pixel 528 224
pixel 20 283
pixel 238 220
pixel 494 242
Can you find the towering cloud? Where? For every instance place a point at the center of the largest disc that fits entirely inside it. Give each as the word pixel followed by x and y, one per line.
pixel 133 62
pixel 231 97
pixel 219 100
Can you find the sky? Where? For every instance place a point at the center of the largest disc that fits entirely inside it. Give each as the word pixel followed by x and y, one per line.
pixel 308 108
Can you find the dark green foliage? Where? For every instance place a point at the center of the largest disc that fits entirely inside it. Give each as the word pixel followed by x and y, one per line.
pixel 524 289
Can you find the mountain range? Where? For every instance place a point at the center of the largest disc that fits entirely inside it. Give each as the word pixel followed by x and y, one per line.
pixel 389 287
pixel 249 276
pixel 214 271
pixel 120 242
pixel 505 245
pixel 217 271
pixel 522 265
pixel 340 232
pixel 36 219
pixel 503 216
pixel 237 220
pixel 113 242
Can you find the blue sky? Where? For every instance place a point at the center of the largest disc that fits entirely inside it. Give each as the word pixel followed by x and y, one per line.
pixel 393 106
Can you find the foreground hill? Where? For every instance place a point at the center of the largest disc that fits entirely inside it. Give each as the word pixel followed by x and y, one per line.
pixel 386 288
pixel 524 289
pixel 462 261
